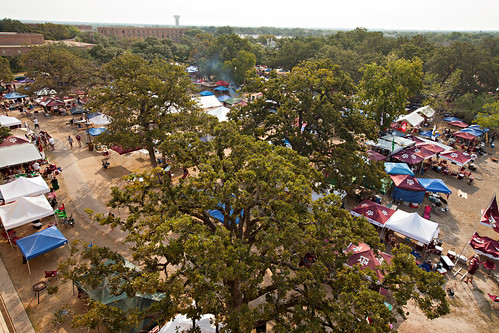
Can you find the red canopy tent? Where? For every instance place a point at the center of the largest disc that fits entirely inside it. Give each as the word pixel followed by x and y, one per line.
pixel 456 157
pixel 407 182
pixel 120 150
pixel 408 156
pixel 464 135
pixel 363 255
pixel 375 156
pixel 222 83
pixel 12 140
pixel 490 217
pixel 458 123
pixel 375 213
pixel 485 246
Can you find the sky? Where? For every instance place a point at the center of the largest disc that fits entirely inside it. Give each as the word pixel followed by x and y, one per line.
pixel 375 14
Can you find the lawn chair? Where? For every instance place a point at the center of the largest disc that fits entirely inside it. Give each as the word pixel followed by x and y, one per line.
pixel 51 274
pixel 427 212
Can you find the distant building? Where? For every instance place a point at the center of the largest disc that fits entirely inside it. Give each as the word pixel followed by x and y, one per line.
pixel 13 43
pixel 175 34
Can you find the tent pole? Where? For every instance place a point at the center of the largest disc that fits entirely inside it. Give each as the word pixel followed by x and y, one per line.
pixel 29 270
pixel 8 237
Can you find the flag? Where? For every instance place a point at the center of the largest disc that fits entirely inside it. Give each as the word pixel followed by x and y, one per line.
pixel 433 132
pixel 490 217
pixel 393 143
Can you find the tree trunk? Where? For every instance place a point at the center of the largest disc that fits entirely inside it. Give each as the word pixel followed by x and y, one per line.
pixel 152 156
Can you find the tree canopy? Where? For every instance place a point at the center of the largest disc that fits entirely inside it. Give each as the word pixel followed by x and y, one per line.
pixel 5 72
pixel 242 239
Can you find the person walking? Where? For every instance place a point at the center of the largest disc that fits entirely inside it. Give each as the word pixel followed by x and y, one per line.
pixel 70 140
pixel 78 138
pixel 35 121
pixel 52 143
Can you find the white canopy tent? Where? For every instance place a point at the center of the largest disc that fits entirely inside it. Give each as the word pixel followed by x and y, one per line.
pixel 387 145
pixel 9 121
pixel 207 102
pixel 426 111
pixel 182 324
pixel 220 113
pixel 19 154
pixel 413 226
pixel 23 187
pixel 398 140
pixel 25 210
pixel 413 118
pixel 100 120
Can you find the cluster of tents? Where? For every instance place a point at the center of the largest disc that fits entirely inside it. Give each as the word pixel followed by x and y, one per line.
pixel 26 203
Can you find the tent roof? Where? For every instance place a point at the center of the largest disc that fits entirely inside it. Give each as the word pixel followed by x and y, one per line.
pixel 452 119
pixel 456 157
pixel 407 182
pixel 41 242
pixel 429 134
pixel 221 88
pixel 375 156
pixel 18 154
pixel 25 210
pixel 13 140
pixel 206 93
pixel 78 110
pixel 464 135
pixel 485 246
pixel 223 98
pixel 426 111
pixel 412 225
pixel 441 145
pixel 472 130
pixel 375 213
pixel 100 120
pixel 458 123
pixel 413 118
pixel 233 100
pixel 9 121
pixel 398 169
pixel 408 156
pixel 207 102
pixel 180 323
pixel 14 95
pixel 404 142
pixel 362 254
pixel 96 131
pixel 23 187
pixel 220 113
pixel 387 145
pixel 434 185
pixel 431 147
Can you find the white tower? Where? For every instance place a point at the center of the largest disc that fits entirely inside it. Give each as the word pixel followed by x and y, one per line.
pixel 177 19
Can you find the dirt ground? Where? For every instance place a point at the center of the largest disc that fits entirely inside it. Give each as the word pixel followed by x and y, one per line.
pixel 85 184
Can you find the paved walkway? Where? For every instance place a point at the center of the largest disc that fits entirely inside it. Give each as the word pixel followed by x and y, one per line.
pixel 13 303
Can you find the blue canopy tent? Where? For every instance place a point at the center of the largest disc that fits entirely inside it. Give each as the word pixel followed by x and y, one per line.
pixel 428 134
pixel 206 93
pixel 96 131
pixel 474 131
pixel 14 95
pixel 78 110
pixel 408 195
pixel 41 242
pixel 217 213
pixel 478 127
pixel 223 98
pixel 398 169
pixel 452 119
pixel 434 185
pixel 221 88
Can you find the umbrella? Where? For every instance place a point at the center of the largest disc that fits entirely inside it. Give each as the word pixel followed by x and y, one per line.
pixel 458 123
pixel 375 156
pixel 456 157
pixel 464 135
pixel 206 93
pixel 408 156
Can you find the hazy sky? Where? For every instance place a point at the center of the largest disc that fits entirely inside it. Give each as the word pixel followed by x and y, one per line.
pixel 371 14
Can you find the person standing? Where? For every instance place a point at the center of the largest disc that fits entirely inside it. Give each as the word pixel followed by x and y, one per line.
pixel 78 138
pixel 70 141
pixel 35 121
pixel 52 143
pixel 473 268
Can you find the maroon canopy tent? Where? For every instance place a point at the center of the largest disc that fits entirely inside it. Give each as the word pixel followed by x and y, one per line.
pixel 464 135
pixel 456 157
pixel 375 213
pixel 12 140
pixel 485 246
pixel 222 83
pixel 408 156
pixel 490 217
pixel 120 150
pixel 423 152
pixel 364 256
pixel 375 156
pixel 458 123
pixel 431 147
pixel 407 182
